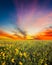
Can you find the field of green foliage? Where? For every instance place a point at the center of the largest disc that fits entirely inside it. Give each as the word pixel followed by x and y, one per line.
pixel 27 52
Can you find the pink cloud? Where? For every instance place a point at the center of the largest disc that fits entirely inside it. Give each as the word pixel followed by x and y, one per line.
pixel 34 21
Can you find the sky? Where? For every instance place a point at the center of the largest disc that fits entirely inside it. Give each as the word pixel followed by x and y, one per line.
pixel 31 16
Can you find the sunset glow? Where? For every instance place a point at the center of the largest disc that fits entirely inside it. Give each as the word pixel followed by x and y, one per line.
pixel 24 19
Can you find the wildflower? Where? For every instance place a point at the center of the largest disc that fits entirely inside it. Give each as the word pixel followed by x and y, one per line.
pixel 12 60
pixel 20 63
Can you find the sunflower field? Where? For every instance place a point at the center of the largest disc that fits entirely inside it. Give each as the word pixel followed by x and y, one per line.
pixel 26 52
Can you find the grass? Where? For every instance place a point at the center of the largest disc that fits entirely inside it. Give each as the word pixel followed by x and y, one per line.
pixel 27 52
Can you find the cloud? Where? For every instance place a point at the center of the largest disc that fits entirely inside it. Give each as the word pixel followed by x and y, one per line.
pixel 7 35
pixel 33 21
pixel 45 35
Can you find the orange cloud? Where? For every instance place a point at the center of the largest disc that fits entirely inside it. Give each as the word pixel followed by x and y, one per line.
pixel 45 35
pixel 4 34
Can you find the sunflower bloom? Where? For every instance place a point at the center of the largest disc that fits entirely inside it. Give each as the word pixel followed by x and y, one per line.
pixel 25 55
pixel 3 63
pixel 45 64
pixel 21 54
pixel 12 60
pixel 16 51
pixel 20 63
